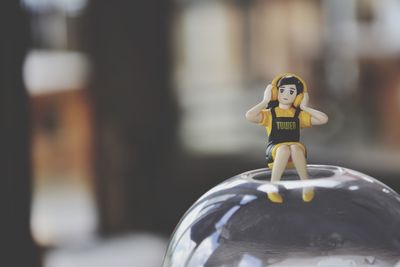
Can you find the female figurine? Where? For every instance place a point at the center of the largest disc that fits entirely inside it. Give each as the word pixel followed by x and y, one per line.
pixel 283 112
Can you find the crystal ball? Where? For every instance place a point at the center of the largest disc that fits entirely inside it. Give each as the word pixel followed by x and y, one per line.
pixel 353 220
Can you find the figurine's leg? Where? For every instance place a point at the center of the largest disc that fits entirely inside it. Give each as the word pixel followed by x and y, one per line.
pixel 300 163
pixel 280 161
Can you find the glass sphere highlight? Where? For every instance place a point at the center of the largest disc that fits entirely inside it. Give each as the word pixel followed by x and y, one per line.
pixel 353 220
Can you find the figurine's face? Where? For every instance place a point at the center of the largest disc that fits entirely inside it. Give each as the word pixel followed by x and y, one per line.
pixel 287 94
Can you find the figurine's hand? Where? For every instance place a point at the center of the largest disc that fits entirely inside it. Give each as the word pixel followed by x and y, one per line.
pixel 267 93
pixel 304 102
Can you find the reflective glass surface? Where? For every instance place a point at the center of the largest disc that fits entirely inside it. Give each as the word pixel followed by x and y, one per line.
pixel 354 220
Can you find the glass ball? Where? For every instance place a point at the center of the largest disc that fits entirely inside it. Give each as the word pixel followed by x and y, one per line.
pixel 353 220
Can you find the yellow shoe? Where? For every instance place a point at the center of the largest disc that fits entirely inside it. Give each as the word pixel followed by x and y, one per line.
pixel 275 197
pixel 308 195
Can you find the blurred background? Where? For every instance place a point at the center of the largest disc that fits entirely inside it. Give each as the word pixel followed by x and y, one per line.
pixel 116 117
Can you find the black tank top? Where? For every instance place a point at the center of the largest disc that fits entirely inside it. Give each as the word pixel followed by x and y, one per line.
pixel 284 129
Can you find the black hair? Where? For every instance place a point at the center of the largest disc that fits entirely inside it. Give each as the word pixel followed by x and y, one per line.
pixel 285 80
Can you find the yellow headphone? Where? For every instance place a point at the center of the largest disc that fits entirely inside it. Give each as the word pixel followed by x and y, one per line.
pixel 299 97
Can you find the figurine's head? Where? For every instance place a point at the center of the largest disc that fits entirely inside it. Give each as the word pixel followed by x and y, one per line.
pixel 289 87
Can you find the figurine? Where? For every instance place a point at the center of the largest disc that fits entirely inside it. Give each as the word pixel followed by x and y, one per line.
pixel 283 112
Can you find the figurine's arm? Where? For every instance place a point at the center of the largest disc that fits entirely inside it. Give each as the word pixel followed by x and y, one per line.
pixel 254 114
pixel 317 117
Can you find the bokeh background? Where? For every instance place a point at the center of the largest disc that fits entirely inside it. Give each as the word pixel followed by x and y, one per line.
pixel 117 115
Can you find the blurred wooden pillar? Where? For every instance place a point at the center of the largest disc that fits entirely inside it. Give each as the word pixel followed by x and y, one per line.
pixel 135 110
pixel 18 248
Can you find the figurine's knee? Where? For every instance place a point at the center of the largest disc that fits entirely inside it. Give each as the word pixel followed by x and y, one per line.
pixel 296 149
pixel 283 150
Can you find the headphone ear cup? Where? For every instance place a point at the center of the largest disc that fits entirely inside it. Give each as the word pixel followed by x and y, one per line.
pixel 298 99
pixel 274 93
